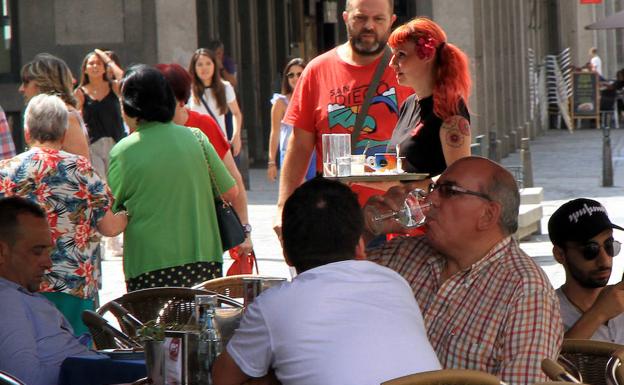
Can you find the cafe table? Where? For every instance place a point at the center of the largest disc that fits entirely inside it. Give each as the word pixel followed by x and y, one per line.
pixel 101 370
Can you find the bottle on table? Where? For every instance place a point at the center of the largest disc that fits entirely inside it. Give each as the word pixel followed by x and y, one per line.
pixel 209 344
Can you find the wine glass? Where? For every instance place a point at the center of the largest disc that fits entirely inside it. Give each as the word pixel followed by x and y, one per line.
pixel 411 215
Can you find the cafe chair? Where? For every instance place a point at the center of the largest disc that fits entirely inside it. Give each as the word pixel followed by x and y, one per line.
pixel 232 285
pixel 554 383
pixel 558 373
pixel 106 336
pixel 142 381
pixel 7 379
pixel 590 358
pixel 165 305
pixel 447 377
pixel 615 368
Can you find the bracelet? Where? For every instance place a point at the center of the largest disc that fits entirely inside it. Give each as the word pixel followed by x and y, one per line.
pixel 271 163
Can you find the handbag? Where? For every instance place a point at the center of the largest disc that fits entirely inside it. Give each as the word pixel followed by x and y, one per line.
pixel 230 226
pixel 243 264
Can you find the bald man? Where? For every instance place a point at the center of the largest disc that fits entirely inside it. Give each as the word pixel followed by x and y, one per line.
pixel 487 305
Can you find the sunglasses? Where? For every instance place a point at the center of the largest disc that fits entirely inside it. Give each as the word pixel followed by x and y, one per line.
pixel 292 75
pixel 591 250
pixel 447 190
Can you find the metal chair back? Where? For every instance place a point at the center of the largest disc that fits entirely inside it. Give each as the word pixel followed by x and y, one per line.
pixel 447 377
pixel 590 358
pixel 7 379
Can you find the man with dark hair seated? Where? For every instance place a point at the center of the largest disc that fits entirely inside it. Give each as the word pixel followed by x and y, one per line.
pixel 582 237
pixel 35 338
pixel 343 320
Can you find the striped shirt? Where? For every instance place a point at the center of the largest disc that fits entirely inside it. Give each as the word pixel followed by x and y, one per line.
pixel 7 148
pixel 500 316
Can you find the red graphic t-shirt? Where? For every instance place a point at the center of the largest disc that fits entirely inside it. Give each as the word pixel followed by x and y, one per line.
pixel 328 97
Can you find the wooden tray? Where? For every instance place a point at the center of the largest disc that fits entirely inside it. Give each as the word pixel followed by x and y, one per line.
pixel 406 176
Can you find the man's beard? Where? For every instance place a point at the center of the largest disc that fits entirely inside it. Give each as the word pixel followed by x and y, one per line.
pixel 585 280
pixel 365 49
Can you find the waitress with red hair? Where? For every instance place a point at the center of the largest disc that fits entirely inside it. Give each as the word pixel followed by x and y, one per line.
pixel 433 130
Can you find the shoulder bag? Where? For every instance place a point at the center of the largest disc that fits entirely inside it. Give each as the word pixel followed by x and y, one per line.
pixel 230 227
pixel 372 87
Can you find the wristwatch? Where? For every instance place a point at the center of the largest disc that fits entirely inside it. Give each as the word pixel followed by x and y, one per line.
pixel 247 228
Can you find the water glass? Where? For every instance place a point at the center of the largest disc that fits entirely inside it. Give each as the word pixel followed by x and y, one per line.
pixel 334 146
pixel 343 165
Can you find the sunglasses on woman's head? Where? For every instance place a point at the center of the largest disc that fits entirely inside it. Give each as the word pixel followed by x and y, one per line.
pixel 591 250
pixel 291 75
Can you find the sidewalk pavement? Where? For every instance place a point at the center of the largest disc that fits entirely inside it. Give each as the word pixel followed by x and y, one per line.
pixel 567 165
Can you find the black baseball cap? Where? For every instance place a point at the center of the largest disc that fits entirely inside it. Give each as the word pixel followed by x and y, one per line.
pixel 578 220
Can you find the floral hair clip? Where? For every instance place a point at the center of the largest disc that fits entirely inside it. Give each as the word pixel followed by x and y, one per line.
pixel 425 46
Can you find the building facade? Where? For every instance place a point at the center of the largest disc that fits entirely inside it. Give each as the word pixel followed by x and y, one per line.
pixel 261 36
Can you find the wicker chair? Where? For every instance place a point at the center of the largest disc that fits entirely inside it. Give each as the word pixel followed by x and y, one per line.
pixel 7 379
pixel 554 383
pixel 163 304
pixel 232 286
pixel 447 377
pixel 615 368
pixel 590 358
pixel 560 373
pixel 104 335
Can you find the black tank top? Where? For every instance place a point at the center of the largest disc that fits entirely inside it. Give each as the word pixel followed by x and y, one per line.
pixel 103 117
pixel 423 149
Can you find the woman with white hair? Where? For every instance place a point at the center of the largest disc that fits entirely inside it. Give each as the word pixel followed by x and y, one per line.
pixel 76 201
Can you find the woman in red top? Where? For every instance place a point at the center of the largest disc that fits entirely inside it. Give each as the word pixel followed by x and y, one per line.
pixel 180 81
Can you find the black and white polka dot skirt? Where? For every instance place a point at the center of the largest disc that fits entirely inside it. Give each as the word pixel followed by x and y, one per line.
pixel 187 275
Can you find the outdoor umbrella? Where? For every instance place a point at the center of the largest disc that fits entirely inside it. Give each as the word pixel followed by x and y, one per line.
pixel 612 22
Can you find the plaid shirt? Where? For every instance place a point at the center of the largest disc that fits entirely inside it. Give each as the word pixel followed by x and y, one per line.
pixel 500 316
pixel 7 148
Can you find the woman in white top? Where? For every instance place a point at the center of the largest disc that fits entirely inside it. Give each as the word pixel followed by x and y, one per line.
pixel 213 96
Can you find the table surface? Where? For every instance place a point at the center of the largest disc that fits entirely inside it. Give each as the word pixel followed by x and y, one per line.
pixel 100 370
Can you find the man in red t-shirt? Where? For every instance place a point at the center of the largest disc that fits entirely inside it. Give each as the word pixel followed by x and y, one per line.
pixel 332 89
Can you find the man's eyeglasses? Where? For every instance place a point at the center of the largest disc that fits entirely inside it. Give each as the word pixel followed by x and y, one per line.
pixel 447 190
pixel 591 250
pixel 291 75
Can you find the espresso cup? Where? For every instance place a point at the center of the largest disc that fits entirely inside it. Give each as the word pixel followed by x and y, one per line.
pixel 385 162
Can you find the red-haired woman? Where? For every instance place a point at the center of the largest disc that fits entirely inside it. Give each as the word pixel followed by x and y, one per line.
pixel 433 129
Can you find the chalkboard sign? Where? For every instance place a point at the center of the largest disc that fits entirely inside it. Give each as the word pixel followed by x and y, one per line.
pixel 585 101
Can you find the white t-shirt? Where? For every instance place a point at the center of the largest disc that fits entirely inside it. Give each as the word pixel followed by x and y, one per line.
pixel 198 106
pixel 350 322
pixel 596 62
pixel 613 331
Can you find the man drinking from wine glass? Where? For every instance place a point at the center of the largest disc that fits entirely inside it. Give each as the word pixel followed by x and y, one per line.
pixel 486 304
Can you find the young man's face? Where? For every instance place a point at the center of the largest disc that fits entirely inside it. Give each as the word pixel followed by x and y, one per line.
pixel 26 261
pixel 592 273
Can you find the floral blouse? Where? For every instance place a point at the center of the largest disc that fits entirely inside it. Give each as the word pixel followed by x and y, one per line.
pixel 75 199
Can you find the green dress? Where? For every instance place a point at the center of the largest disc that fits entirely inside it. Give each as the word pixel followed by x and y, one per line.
pixel 159 174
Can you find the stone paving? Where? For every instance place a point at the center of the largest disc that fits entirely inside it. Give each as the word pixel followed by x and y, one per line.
pixel 567 165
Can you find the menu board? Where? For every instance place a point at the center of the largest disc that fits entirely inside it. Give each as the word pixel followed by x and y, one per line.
pixel 585 101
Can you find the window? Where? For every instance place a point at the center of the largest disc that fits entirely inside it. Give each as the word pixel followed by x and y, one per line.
pixel 8 41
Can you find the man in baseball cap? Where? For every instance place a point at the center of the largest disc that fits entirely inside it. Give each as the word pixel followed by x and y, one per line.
pixel 582 237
